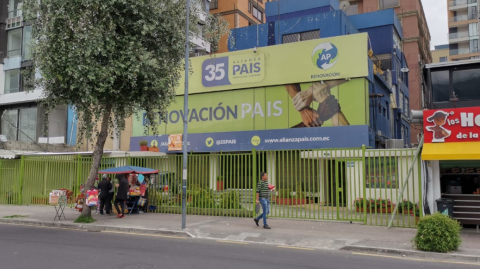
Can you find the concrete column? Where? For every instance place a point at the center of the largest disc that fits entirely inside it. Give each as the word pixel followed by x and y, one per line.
pixel 214 162
pixel 271 167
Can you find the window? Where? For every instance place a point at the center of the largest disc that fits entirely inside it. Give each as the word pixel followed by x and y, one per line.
pixel 396 40
pixel 9 124
pixel 353 10
pixel 214 4
pixel 384 4
pixel 400 101
pixel 472 13
pixel 381 173
pixel 465 84
pixel 309 35
pixel 385 61
pixel 27 124
pixel 14 43
pixel 15 8
pixel 27 37
pixel 440 86
pixel 407 109
pixel 474 46
pixel 12 81
pixel 473 29
pixel 443 59
pixel 257 14
pixel 26 121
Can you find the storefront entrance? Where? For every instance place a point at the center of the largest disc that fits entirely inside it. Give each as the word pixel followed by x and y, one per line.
pixel 460 181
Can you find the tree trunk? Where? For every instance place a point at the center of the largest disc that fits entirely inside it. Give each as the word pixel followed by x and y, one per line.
pixel 97 157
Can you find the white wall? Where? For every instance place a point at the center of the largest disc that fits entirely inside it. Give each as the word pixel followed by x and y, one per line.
pixel 433 184
pixel 2 80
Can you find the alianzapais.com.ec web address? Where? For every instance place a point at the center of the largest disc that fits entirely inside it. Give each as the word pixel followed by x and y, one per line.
pixel 297 140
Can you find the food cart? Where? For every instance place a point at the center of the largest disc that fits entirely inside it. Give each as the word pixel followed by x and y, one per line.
pixel 138 185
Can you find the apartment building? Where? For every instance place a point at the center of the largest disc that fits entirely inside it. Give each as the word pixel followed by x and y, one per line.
pixel 463 29
pixel 440 54
pixel 21 117
pixel 238 13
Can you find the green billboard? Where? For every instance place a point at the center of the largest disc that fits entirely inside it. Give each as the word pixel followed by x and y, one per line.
pixel 314 104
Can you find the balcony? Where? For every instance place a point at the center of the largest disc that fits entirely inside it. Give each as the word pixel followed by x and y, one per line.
pixel 462 51
pixel 460 4
pixel 459 37
pixel 199 41
pixel 461 18
pixel 14 19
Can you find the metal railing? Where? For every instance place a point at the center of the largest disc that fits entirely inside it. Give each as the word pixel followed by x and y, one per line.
pixel 458 35
pixel 460 18
pixel 461 2
pixel 463 51
pixel 15 13
pixel 14 52
pixel 357 184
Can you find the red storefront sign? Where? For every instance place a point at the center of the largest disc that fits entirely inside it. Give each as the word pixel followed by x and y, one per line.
pixel 452 125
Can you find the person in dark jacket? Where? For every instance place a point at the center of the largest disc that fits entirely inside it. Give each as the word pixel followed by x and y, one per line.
pixel 110 197
pixel 122 193
pixel 104 186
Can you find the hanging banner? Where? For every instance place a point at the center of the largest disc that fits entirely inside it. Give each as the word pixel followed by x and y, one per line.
pixel 175 142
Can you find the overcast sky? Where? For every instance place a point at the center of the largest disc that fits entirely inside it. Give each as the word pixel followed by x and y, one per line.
pixel 436 13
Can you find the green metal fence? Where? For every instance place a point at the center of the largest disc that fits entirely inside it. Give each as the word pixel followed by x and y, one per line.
pixel 357 185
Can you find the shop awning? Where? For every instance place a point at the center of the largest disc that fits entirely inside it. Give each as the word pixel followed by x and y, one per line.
pixel 451 151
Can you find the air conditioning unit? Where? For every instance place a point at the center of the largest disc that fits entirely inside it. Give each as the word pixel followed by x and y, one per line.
pixel 394 144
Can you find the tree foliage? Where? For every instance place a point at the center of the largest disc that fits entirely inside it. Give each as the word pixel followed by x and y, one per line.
pixel 110 58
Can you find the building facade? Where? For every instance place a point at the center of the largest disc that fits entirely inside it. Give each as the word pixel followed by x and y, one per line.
pixel 22 117
pixel 440 54
pixel 452 131
pixel 295 21
pixel 238 13
pixel 415 44
pixel 463 29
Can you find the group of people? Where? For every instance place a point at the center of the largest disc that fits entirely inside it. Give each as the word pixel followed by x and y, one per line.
pixel 106 195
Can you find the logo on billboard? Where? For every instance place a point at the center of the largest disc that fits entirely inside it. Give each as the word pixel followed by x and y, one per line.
pixel 325 56
pixel 234 69
pixel 439 119
pixel 256 140
pixel 209 142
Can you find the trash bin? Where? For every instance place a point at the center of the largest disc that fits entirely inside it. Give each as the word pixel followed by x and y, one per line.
pixel 445 206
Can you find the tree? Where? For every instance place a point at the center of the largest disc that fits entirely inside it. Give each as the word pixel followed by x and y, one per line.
pixel 108 59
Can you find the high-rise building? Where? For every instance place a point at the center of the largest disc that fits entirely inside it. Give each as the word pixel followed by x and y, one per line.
pixel 238 13
pixel 21 116
pixel 416 42
pixel 463 29
pixel 440 54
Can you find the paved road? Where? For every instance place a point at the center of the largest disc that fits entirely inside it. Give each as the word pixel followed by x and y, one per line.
pixel 29 247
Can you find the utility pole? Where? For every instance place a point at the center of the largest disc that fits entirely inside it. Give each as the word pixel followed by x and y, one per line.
pixel 185 121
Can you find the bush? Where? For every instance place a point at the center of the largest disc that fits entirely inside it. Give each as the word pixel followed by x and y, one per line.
pixel 438 233
pixel 405 207
pixel 230 200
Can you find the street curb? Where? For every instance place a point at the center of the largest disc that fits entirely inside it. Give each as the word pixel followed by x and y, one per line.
pixel 414 254
pixel 97 228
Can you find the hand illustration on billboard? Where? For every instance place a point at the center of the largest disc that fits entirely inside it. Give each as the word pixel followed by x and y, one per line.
pixel 328 107
pixel 310 117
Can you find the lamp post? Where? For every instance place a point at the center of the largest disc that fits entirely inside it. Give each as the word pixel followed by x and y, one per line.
pixel 185 114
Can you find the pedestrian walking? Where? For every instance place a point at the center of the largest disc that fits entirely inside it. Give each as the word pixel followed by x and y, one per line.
pixel 104 186
pixel 263 193
pixel 121 195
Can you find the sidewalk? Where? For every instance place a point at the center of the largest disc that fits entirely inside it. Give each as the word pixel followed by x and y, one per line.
pixel 295 233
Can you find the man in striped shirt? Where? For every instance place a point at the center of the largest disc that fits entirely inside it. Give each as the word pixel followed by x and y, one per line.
pixel 263 193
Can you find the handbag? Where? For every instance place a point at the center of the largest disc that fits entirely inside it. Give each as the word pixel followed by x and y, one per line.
pixel 257 208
